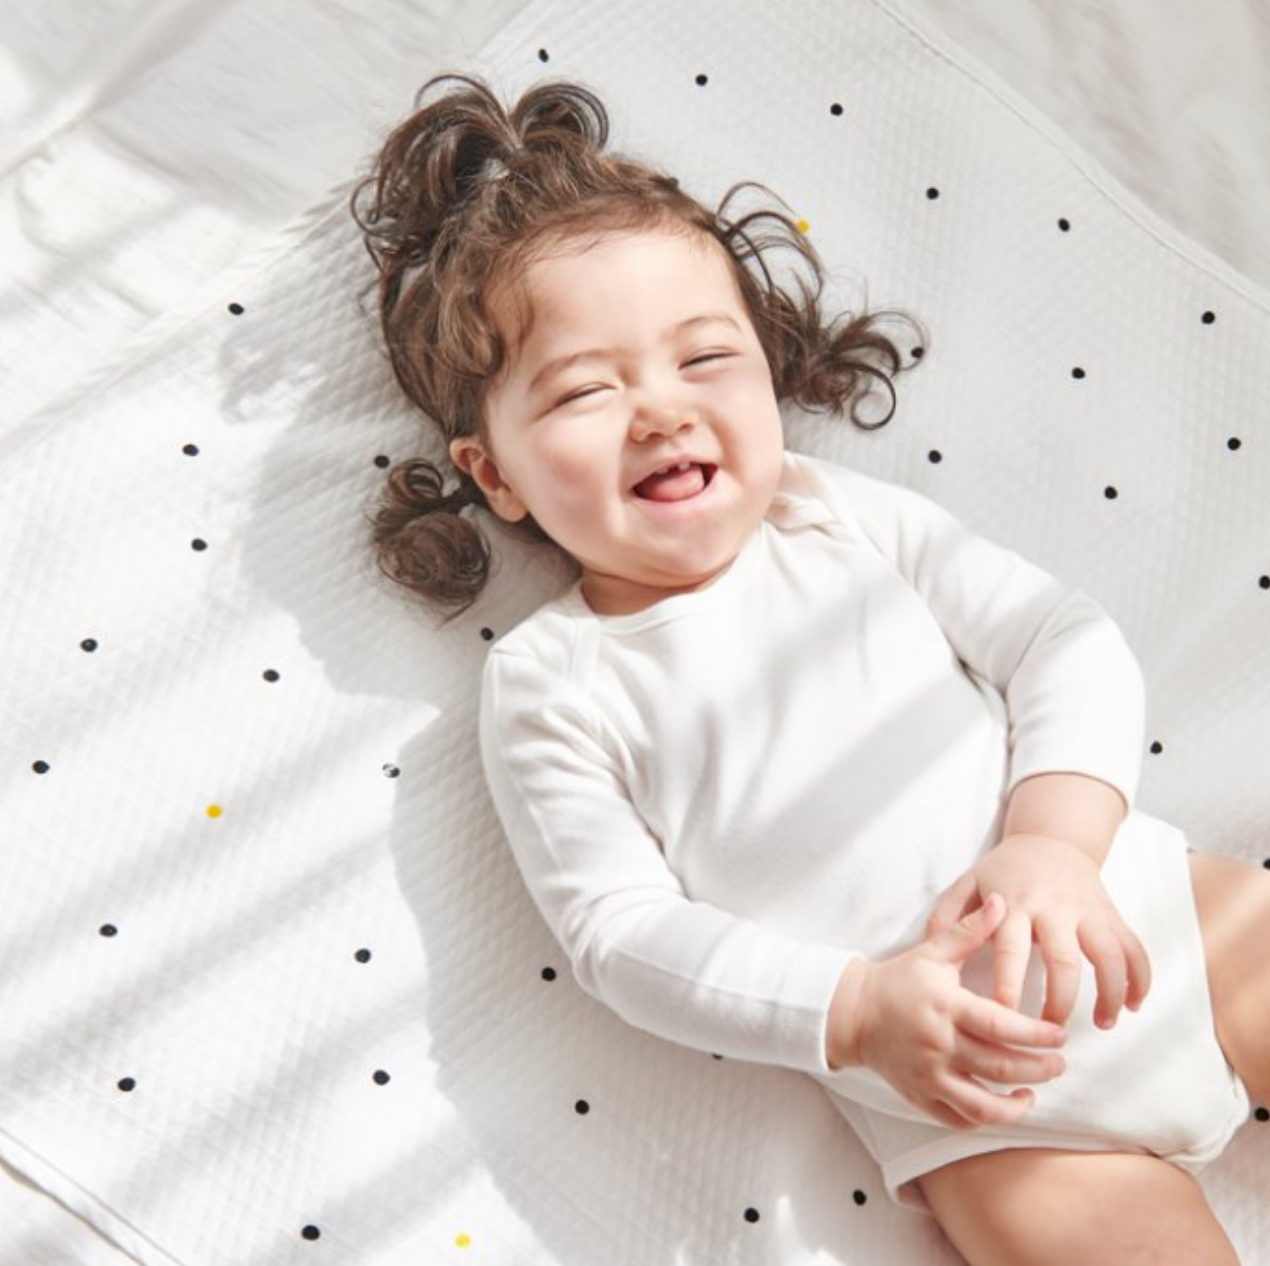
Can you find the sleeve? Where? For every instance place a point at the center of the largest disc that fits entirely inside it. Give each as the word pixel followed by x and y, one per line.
pixel 678 968
pixel 1072 686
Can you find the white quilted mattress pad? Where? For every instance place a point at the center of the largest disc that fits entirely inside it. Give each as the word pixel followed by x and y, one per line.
pixel 272 991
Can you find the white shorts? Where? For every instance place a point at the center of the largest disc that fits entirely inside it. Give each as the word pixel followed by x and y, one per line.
pixel 1157 1083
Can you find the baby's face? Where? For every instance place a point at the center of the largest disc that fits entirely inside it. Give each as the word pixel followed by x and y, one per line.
pixel 636 421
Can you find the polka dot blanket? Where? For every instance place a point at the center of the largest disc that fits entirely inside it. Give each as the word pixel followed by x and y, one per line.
pixel 271 989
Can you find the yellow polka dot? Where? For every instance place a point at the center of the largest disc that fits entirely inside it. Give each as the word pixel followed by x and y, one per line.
pixel 214 811
pixel 802 226
pixel 462 1240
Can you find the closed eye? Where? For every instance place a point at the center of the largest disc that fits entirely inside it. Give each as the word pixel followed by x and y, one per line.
pixel 706 357
pixel 580 393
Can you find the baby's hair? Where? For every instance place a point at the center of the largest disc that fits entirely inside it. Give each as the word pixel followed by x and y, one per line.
pixel 465 195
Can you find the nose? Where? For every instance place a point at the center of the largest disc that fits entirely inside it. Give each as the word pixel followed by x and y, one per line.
pixel 660 415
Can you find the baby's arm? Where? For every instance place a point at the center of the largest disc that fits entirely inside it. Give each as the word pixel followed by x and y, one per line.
pixel 1074 698
pixel 1058 830
pixel 667 963
pixel 910 1020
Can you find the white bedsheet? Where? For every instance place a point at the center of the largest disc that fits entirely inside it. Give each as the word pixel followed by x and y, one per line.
pixel 155 158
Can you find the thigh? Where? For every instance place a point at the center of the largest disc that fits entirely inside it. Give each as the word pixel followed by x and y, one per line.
pixel 1033 1207
pixel 1233 900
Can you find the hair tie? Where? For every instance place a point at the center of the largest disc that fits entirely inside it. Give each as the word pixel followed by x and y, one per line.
pixel 464 494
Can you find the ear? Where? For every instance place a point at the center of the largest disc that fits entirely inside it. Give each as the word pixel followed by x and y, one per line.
pixel 471 456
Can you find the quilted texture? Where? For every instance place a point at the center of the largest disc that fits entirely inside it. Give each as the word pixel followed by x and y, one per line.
pixel 272 992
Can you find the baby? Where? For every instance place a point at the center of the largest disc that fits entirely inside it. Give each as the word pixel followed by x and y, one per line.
pixel 799 770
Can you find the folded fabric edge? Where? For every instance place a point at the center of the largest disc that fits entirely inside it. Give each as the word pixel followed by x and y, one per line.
pixel 1097 173
pixel 59 1187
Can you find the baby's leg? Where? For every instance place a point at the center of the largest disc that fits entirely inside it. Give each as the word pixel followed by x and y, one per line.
pixel 1233 899
pixel 1032 1207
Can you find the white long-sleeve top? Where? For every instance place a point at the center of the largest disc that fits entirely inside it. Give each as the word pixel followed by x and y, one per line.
pixel 718 801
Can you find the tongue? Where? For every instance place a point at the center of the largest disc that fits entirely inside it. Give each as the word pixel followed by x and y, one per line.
pixel 675 485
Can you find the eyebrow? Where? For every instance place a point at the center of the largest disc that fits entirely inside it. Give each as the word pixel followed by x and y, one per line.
pixel 559 363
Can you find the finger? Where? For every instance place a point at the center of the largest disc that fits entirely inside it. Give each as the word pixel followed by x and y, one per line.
pixel 1102 948
pixel 1138 965
pixel 957 902
pixel 1003 1026
pixel 1004 1065
pixel 966 1100
pixel 1061 955
pixel 959 943
pixel 1011 949
pixel 946 1116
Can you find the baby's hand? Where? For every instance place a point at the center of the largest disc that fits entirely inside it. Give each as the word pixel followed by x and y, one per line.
pixel 910 1019
pixel 1054 896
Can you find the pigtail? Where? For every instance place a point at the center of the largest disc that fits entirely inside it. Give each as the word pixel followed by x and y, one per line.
pixel 424 542
pixel 551 112
pixel 832 365
pixel 412 212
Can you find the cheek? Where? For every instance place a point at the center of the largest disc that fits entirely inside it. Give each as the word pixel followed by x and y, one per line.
pixel 752 403
pixel 562 475
pixel 563 464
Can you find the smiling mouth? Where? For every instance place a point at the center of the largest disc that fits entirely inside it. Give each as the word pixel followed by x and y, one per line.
pixel 679 481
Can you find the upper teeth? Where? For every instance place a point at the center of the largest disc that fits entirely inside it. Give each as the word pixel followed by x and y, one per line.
pixel 665 470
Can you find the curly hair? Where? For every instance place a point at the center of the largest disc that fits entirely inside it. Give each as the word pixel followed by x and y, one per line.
pixel 466 193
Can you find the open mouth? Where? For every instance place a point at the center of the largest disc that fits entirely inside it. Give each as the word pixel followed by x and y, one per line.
pixel 678 481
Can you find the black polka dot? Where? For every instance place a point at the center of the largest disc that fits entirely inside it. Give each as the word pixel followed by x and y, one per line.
pixel 41 767
pixel 751 1215
pixel 1110 493
pixel 1209 317
pixel 271 674
pixel 1077 372
pixel 190 450
pixel 934 456
pixel 127 1084
pixel 702 80
pixel 582 1107
pixel 487 634
pixel 1234 443
pixel 917 353
pixel 383 462
pixel 716 1056
pixel 363 956
pixel 859 1197
pixel 836 109
pixel 1264 582
pixel 89 644
pixel 548 973
pixel 198 545
pixel 1157 747
pixel 380 1078
pixel 932 193
pixel 1064 224
pixel 311 1233
pixel 391 771
pixel 237 309
pixel 543 55
pixel 1262 1114
pixel 108 929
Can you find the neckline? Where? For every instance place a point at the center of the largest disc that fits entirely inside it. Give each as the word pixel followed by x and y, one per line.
pixel 676 605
